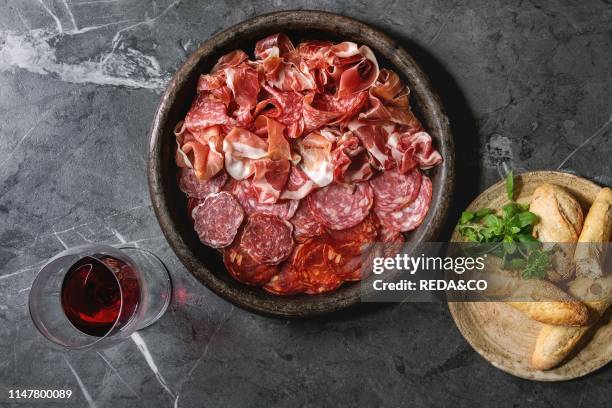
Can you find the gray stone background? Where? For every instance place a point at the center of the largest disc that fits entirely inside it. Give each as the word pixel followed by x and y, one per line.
pixel 526 83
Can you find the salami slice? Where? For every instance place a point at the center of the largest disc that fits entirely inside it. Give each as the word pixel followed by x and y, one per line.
pixel 267 238
pixel 411 216
pixel 242 267
pixel 194 187
pixel 192 203
pixel 337 207
pixel 304 224
pixel 217 219
pixel 287 282
pixel 355 240
pixel 391 241
pixel 355 267
pixel 247 197
pixel 313 267
pixel 394 190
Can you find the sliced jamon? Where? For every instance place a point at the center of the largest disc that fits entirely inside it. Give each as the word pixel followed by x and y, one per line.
pixel 247 196
pixel 194 187
pixel 394 190
pixel 338 207
pixel 411 216
pixel 267 238
pixel 355 240
pixel 287 282
pixel 315 271
pixel 217 219
pixel 304 223
pixel 244 268
pixel 298 186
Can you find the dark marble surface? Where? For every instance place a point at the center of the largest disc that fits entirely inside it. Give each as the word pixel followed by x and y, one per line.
pixel 527 85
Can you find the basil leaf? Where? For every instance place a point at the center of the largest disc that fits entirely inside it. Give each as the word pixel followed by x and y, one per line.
pixel 482 212
pixel 527 218
pixel 509 210
pixel 492 221
pixel 466 217
pixel 510 185
pixel 525 238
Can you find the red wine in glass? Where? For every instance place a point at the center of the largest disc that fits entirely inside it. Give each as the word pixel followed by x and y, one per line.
pixel 94 296
pixel 91 294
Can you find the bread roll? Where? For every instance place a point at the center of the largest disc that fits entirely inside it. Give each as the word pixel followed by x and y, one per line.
pixel 554 343
pixel 592 244
pixel 560 221
pixel 539 299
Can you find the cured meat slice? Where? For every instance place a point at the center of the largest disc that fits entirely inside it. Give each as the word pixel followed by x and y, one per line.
pixel 391 241
pixel 206 111
pixel 316 152
pixel 350 160
pixel 374 138
pixel 298 186
pixel 200 151
pixel 394 190
pixel 287 282
pixel 304 223
pixel 355 240
pixel 241 148
pixel 247 196
pixel 244 268
pixel 231 59
pixel 269 179
pixel 217 219
pixel 267 238
pixel 354 267
pixel 411 216
pixel 194 187
pixel 337 207
pixel 315 271
pixel 244 83
pixel 413 149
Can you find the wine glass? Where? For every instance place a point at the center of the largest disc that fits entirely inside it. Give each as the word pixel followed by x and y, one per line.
pixel 94 296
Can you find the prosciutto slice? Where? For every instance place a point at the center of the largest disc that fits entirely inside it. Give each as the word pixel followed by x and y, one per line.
pixel 241 147
pixel 357 68
pixel 350 158
pixel 412 150
pixel 388 101
pixel 316 152
pixel 374 138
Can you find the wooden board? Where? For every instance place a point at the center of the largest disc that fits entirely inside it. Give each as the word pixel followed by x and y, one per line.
pixel 502 334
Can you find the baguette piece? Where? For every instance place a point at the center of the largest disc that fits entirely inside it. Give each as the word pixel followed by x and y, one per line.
pixel 561 221
pixel 593 244
pixel 554 343
pixel 541 300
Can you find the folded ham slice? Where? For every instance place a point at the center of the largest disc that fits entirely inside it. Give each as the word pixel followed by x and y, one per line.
pixel 316 152
pixel 241 147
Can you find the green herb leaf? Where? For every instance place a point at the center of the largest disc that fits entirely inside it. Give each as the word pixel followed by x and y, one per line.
pixel 482 212
pixel 527 218
pixel 517 263
pixel 510 185
pixel 466 217
pixel 492 221
pixel 538 263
